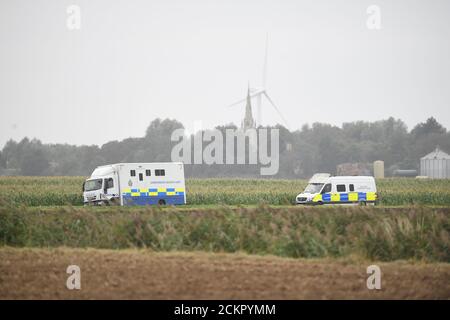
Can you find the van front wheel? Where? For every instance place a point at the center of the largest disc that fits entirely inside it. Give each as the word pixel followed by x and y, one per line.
pixel 162 202
pixel 363 203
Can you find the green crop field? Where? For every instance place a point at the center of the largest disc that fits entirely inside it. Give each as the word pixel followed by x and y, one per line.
pixel 55 191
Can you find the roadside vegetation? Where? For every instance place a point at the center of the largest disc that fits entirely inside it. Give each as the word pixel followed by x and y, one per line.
pixel 373 233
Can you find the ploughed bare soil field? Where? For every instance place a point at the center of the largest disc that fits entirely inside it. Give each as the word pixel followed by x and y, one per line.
pixel 142 274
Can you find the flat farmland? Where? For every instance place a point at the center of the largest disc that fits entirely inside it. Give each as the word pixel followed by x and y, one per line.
pixel 236 238
pixel 142 274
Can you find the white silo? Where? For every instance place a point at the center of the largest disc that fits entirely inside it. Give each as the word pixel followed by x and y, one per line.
pixel 435 165
pixel 378 169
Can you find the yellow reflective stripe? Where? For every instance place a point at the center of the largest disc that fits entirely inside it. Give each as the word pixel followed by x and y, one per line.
pixel 146 192
pixel 335 197
pixel 317 198
pixel 353 196
pixel 371 196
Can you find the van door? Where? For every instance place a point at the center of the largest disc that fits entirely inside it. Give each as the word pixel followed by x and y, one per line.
pixel 337 189
pixel 110 188
pixel 352 193
pixel 141 184
pixel 326 193
pixel 341 195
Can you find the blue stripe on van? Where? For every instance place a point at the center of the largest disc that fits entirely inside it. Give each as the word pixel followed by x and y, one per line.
pixel 148 200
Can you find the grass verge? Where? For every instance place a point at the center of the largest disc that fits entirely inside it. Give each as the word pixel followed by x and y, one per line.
pixel 384 234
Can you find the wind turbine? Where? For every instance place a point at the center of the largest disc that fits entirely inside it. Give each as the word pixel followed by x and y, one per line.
pixel 261 91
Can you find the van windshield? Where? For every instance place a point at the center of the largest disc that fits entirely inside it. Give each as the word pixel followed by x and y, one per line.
pixel 313 188
pixel 92 185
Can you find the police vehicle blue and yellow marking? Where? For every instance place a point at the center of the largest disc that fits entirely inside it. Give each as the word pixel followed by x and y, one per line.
pixel 143 196
pixel 347 197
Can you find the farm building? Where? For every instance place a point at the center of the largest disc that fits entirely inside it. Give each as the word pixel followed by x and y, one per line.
pixel 435 165
pixel 353 169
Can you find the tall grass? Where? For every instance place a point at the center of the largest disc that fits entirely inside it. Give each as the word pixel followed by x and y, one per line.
pixel 373 233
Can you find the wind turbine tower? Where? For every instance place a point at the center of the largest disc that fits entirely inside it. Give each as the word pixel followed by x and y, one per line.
pixel 263 84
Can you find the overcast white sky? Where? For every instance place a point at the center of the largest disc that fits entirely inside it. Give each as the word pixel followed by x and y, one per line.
pixel 134 61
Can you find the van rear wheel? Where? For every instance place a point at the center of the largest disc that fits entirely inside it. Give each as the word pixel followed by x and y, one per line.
pixel 162 202
pixel 363 203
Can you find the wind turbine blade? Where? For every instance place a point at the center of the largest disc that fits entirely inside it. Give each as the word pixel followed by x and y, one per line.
pixel 264 75
pixel 257 93
pixel 276 108
pixel 252 95
pixel 237 102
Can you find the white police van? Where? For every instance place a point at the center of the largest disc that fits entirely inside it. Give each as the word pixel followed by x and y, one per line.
pixel 325 189
pixel 136 184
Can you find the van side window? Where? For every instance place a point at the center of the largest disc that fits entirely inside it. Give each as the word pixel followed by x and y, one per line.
pixel 351 187
pixel 141 177
pixel 327 188
pixel 133 173
pixel 109 183
pixel 160 172
pixel 340 188
pixel 148 173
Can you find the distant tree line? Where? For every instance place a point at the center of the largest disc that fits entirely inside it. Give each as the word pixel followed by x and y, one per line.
pixel 316 148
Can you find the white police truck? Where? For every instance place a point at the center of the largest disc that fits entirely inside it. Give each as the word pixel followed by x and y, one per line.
pixel 325 189
pixel 136 184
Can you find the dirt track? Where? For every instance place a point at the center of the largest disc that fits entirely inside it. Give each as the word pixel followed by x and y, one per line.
pixel 132 274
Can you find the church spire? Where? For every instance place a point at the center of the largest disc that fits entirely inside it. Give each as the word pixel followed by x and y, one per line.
pixel 248 121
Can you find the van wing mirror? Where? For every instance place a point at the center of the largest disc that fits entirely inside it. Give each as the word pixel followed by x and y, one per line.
pixel 82 188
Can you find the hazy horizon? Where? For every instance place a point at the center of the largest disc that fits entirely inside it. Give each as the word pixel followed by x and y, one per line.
pixel 133 62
